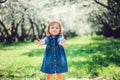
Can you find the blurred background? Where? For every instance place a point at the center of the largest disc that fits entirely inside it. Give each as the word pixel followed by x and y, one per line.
pixel 92 28
pixel 27 20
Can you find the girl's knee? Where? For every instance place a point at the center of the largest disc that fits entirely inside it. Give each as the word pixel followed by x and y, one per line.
pixel 49 77
pixel 59 76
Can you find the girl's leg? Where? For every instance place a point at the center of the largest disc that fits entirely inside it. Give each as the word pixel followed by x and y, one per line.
pixel 49 77
pixel 59 76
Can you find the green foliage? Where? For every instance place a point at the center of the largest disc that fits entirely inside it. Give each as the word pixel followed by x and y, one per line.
pixel 88 57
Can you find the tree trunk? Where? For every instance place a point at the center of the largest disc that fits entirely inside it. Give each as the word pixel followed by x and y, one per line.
pixel 7 36
pixel 23 31
pixel 33 30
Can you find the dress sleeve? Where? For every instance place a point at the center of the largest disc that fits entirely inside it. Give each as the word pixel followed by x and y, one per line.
pixel 46 40
pixel 61 38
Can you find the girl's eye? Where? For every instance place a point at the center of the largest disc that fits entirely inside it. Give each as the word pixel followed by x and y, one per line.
pixel 57 28
pixel 52 27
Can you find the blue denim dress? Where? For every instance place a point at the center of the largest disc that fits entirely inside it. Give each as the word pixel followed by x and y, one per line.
pixel 54 60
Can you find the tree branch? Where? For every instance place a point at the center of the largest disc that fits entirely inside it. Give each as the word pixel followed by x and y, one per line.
pixel 106 6
pixel 3 1
pixel 102 4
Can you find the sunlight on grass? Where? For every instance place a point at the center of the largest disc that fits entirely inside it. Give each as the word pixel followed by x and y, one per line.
pixel 79 40
pixel 77 58
pixel 88 57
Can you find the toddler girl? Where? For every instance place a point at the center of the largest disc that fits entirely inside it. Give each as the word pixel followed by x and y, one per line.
pixel 54 61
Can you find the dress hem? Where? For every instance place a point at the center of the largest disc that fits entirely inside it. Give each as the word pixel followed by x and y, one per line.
pixel 54 72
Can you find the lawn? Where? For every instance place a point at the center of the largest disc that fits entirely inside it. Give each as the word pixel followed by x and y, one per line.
pixel 88 57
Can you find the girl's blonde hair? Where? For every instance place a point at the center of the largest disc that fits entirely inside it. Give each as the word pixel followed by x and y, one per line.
pixel 48 28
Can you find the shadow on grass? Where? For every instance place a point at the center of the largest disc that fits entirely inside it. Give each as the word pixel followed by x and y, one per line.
pixel 35 52
pixel 98 54
pixel 10 46
pixel 20 72
pixel 108 51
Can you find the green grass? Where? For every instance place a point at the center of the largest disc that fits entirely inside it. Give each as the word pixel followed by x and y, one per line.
pixel 88 57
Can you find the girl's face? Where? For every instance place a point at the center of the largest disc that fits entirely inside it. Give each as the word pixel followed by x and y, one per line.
pixel 54 29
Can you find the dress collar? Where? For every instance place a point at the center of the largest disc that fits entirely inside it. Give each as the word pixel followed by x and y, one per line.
pixel 53 38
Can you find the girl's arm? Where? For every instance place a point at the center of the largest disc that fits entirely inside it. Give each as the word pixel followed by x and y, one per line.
pixel 41 42
pixel 61 41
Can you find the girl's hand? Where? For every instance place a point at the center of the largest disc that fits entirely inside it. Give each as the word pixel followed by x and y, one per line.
pixel 63 43
pixel 40 42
